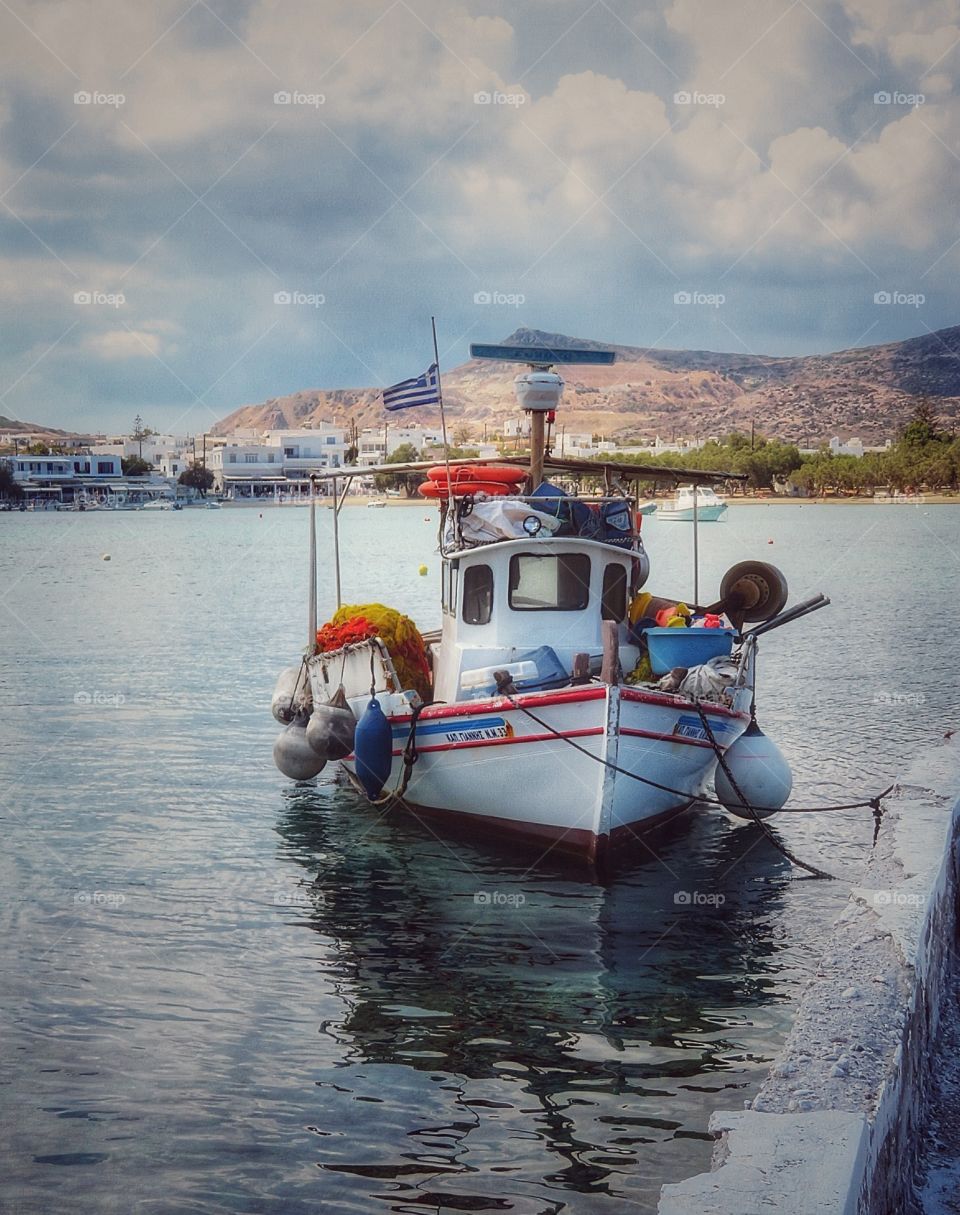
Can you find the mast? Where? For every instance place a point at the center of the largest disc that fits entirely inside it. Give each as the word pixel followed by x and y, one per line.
pixel 536 448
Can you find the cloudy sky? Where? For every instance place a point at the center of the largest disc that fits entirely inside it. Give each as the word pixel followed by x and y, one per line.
pixel 208 203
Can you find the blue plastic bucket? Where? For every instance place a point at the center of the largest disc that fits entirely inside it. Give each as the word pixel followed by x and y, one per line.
pixel 669 648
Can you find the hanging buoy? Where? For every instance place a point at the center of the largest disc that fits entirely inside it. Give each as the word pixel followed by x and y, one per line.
pixel 282 705
pixel 422 571
pixel 373 748
pixel 294 756
pixel 763 775
pixel 330 731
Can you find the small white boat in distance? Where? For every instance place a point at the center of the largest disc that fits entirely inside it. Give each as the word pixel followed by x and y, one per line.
pixel 710 506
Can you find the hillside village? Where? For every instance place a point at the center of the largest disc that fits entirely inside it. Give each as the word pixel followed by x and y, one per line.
pixel 649 404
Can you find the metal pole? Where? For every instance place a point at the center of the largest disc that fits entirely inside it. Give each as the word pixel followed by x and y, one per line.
pixel 443 419
pixel 443 423
pixel 696 546
pixel 336 537
pixel 536 449
pixel 312 597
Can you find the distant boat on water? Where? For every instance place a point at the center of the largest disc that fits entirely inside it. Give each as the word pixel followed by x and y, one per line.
pixel 710 507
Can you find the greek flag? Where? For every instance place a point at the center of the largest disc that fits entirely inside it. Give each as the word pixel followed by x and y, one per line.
pixel 421 390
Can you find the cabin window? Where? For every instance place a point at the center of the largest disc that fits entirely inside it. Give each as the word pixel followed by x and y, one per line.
pixel 613 602
pixel 477 594
pixel 541 582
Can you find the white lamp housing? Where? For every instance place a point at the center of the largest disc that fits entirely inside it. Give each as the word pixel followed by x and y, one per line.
pixel 538 391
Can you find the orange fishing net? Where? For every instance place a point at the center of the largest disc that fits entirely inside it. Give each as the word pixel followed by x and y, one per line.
pixel 357 622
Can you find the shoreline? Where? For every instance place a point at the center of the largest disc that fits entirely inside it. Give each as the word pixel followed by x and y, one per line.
pixel 938 499
pixel 362 500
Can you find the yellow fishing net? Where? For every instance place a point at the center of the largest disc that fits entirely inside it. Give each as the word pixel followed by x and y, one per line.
pixel 354 622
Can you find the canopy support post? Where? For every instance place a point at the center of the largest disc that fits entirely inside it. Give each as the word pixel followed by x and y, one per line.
pixel 312 596
pixel 696 544
pixel 336 537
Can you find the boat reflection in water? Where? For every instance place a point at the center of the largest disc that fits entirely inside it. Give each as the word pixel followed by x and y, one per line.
pixel 523 1039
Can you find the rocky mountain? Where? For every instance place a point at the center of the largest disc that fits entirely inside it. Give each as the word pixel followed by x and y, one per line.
pixel 866 391
pixel 11 427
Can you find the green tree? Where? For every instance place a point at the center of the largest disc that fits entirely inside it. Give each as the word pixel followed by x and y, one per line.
pixel 10 487
pixel 197 477
pixel 409 482
pixel 140 432
pixel 923 426
pixel 133 466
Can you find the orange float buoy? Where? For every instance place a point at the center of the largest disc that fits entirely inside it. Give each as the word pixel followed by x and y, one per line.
pixel 502 473
pixel 430 489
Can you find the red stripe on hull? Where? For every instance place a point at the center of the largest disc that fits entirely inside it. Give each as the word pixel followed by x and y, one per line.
pixel 529 738
pixel 678 702
pixel 468 708
pixel 564 696
pixel 672 738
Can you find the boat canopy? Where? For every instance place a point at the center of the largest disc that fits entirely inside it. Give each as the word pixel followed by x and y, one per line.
pixel 560 464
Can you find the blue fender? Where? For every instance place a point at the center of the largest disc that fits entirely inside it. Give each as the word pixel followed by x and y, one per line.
pixel 373 748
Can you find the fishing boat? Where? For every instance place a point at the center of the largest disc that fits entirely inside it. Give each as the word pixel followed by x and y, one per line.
pixel 559 702
pixel 701 500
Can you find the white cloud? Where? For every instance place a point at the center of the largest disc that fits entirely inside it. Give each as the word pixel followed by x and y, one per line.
pixel 506 191
pixel 117 344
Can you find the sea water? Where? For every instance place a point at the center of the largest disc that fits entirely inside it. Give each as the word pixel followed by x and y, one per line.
pixel 222 993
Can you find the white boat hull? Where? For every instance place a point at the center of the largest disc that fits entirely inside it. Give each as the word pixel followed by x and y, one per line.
pixel 705 514
pixel 491 767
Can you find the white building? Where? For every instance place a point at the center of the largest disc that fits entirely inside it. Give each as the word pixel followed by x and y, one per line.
pixel 64 467
pixel 305 451
pixel 246 470
pixel 376 443
pixel 152 449
pixel 852 447
pixel 172 464
pixel 62 478
pixel 277 464
pixel 517 428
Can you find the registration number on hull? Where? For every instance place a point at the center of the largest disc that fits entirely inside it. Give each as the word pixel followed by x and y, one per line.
pixel 482 729
pixel 692 727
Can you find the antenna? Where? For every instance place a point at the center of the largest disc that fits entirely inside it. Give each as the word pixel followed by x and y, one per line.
pixel 541 356
pixel 539 390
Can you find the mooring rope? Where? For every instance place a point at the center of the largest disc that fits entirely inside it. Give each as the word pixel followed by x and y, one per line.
pixel 872 803
pixel 754 814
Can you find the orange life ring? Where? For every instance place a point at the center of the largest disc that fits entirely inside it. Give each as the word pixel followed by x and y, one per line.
pixel 502 473
pixel 430 489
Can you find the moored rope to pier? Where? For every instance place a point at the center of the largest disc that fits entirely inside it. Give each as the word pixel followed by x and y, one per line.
pixel 873 803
